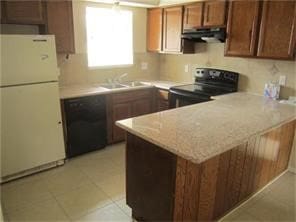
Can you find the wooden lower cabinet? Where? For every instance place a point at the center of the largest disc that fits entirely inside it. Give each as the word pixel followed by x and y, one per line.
pixel 164 187
pixel 162 100
pixel 142 107
pixel 126 105
pixel 120 111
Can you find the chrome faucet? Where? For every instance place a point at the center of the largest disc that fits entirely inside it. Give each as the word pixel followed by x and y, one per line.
pixel 118 78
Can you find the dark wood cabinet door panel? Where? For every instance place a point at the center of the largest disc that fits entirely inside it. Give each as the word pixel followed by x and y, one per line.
pixel 172 29
pixel 142 107
pixel 214 13
pixel 277 30
pixel 158 180
pixel 193 16
pixel 60 24
pixel 242 28
pixel 154 29
pixel 2 12
pixel 131 96
pixel 162 100
pixel 24 12
pixel 120 111
pixel 150 173
pixel 125 105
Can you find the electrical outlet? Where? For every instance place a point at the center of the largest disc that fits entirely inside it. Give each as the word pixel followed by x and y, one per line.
pixel 282 80
pixel 186 68
pixel 144 65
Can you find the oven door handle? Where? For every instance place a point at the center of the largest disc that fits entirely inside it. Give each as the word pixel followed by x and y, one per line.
pixel 184 94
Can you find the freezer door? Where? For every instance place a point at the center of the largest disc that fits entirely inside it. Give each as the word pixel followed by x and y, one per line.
pixel 28 59
pixel 31 130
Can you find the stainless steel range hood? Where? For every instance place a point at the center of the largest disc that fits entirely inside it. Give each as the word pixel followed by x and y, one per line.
pixel 205 35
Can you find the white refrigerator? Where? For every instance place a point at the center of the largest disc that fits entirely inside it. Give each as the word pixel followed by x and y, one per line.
pixel 31 123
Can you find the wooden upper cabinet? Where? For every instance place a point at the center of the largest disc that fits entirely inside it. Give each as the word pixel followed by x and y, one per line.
pixel 60 24
pixel 193 16
pixel 277 30
pixel 24 12
pixel 242 28
pixel 172 29
pixel 154 29
pixel 214 13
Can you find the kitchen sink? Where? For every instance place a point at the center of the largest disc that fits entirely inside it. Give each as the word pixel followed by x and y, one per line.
pixel 133 84
pixel 122 85
pixel 113 86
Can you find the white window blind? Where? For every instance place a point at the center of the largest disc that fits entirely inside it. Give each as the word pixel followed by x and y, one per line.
pixel 109 37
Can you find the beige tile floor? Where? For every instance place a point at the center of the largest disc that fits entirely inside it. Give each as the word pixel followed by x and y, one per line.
pixel 92 188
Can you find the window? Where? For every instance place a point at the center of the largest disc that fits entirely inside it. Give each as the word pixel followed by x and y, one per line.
pixel 109 37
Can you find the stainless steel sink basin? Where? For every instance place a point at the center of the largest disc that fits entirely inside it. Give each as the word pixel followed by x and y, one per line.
pixel 133 84
pixel 113 86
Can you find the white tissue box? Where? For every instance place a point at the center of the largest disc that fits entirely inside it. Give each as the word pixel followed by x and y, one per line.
pixel 272 90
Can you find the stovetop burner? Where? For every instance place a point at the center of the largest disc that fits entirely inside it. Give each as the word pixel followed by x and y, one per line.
pixel 208 82
pixel 203 89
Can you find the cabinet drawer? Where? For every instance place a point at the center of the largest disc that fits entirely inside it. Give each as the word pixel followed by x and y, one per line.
pixel 131 96
pixel 162 94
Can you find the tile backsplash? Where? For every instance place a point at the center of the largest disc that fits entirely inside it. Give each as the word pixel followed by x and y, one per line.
pixel 74 70
pixel 254 73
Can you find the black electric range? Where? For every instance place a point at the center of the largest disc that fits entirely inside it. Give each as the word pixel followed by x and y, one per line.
pixel 208 83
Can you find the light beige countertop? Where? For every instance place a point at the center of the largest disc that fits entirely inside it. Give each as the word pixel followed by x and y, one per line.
pixel 201 131
pixel 74 91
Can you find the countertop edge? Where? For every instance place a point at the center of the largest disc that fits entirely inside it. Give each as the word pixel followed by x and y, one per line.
pixel 82 92
pixel 199 161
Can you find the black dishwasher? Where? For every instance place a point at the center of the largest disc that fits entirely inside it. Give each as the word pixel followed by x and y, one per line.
pixel 86 124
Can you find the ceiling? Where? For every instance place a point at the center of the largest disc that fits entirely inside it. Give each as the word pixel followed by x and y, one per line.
pixel 144 3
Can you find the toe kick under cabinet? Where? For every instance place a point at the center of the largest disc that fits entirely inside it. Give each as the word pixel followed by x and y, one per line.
pixel 125 105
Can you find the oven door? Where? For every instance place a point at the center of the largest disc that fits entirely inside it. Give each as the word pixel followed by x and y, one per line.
pixel 179 99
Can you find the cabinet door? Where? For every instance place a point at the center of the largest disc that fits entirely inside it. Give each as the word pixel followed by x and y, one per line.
pixel 214 13
pixel 172 29
pixel 2 12
pixel 193 15
pixel 142 107
pixel 277 30
pixel 154 29
pixel 60 24
pixel 120 111
pixel 24 12
pixel 242 28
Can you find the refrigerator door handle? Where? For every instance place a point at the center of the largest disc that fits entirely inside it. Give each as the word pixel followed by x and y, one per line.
pixel 44 56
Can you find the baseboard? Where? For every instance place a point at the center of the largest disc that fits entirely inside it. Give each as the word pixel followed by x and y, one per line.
pixel 32 171
pixel 241 204
pixel 292 169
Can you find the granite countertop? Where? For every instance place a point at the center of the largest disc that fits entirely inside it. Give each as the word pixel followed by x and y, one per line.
pixel 201 131
pixel 73 91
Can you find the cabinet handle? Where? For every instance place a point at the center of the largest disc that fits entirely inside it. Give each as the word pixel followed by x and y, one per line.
pixel 291 45
pixel 186 16
pixel 208 9
pixel 251 32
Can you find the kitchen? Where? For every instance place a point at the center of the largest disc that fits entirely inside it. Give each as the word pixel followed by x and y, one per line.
pixel 106 78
